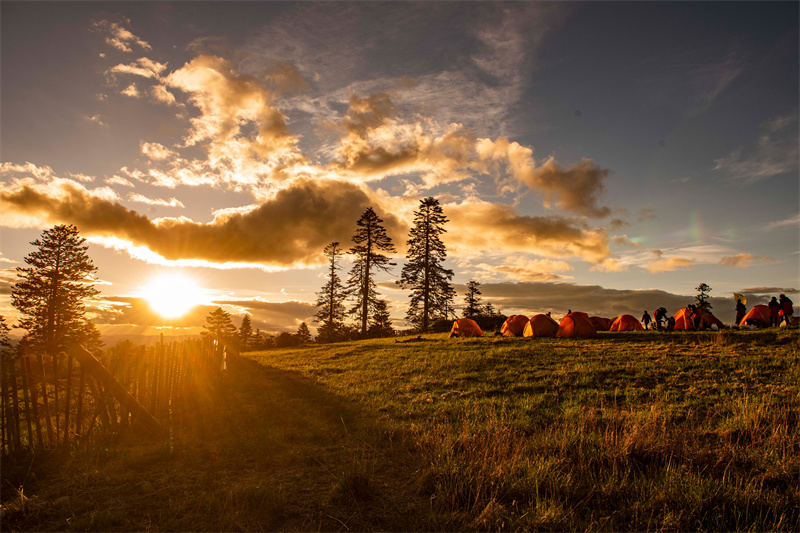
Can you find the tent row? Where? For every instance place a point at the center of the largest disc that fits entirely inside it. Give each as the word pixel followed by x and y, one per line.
pixel 577 324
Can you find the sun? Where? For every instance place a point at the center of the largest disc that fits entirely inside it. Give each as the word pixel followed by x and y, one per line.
pixel 172 295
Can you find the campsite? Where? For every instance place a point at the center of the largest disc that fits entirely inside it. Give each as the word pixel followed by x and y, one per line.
pixel 632 430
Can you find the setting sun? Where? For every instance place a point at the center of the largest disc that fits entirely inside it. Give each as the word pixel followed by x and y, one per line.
pixel 172 295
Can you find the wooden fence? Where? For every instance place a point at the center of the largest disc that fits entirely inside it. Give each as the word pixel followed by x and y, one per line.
pixel 74 398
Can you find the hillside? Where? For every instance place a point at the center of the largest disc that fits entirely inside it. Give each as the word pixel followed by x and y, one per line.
pixel 631 431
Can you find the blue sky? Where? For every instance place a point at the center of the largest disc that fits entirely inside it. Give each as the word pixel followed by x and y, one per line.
pixel 604 157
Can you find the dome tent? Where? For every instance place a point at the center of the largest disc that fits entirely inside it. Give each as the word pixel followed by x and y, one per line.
pixel 576 324
pixel 626 323
pixel 541 326
pixel 600 323
pixel 683 319
pixel 710 320
pixel 466 327
pixel 514 326
pixel 758 316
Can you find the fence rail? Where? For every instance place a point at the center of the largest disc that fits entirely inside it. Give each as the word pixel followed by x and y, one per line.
pixel 72 398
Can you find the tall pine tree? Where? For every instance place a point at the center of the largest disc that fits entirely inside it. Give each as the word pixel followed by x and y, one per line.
pixel 51 291
pixel 423 273
pixel 330 300
pixel 370 240
pixel 472 300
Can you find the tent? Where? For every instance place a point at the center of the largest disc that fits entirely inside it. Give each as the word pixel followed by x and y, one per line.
pixel 514 326
pixel 626 323
pixel 683 319
pixel 466 327
pixel 600 323
pixel 541 326
pixel 710 320
pixel 576 324
pixel 758 316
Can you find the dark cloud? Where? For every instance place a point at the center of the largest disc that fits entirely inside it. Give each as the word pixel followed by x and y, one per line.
pixel 289 229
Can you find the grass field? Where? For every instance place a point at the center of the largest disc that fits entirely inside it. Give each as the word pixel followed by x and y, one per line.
pixel 628 432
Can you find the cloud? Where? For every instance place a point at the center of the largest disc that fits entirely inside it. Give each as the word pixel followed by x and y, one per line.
pixel 576 188
pixel 43 173
pixel 777 152
pixel 140 198
pixel 515 268
pixel 791 222
pixel 738 260
pixel 156 151
pixel 289 229
pixel 669 264
pixel 119 37
pixel 486 226
pixel 144 67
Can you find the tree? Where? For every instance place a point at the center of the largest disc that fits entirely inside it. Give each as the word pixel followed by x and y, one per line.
pixel 331 298
pixel 303 334
pixel 423 272
pixel 219 326
pixel 370 240
pixel 381 324
pixel 51 292
pixel 6 350
pixel 245 333
pixel 702 298
pixel 472 300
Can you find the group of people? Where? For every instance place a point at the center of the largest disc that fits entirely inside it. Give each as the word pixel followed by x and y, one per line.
pixel 660 320
pixel 780 310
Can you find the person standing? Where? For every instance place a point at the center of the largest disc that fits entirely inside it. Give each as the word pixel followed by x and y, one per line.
pixel 786 309
pixel 646 318
pixel 774 312
pixel 741 310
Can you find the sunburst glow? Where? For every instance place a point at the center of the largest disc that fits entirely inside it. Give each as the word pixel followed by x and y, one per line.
pixel 172 295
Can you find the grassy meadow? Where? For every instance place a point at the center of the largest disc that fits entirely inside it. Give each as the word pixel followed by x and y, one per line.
pixel 635 431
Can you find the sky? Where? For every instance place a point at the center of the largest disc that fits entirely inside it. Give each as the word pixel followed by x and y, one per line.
pixel 593 156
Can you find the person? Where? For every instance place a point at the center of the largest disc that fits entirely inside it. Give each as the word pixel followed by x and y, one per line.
pixel 646 318
pixel 660 314
pixel 671 323
pixel 786 309
pixel 697 317
pixel 774 312
pixel 741 310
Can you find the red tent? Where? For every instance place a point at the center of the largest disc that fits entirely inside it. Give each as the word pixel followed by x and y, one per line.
pixel 576 324
pixel 683 319
pixel 466 327
pixel 541 326
pixel 626 323
pixel 600 323
pixel 759 313
pixel 709 320
pixel 514 326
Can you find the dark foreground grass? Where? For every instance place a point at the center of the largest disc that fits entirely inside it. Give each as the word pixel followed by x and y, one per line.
pixel 627 432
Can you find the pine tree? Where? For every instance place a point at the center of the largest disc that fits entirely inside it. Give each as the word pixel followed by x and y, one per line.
pixel 6 350
pixel 303 333
pixel 245 333
pixel 472 300
pixel 380 323
pixel 423 272
pixel 331 298
pixel 219 326
pixel 702 298
pixel 52 290
pixel 370 240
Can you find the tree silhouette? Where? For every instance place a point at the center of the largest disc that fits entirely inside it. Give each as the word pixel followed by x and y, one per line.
pixel 219 326
pixel 380 324
pixel 370 240
pixel 245 333
pixel 331 298
pixel 702 298
pixel 472 300
pixel 303 333
pixel 51 291
pixel 423 273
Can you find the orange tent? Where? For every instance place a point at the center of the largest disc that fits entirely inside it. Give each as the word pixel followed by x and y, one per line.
pixel 541 326
pixel 466 327
pixel 683 319
pixel 709 320
pixel 600 323
pixel 514 326
pixel 626 323
pixel 759 313
pixel 576 325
